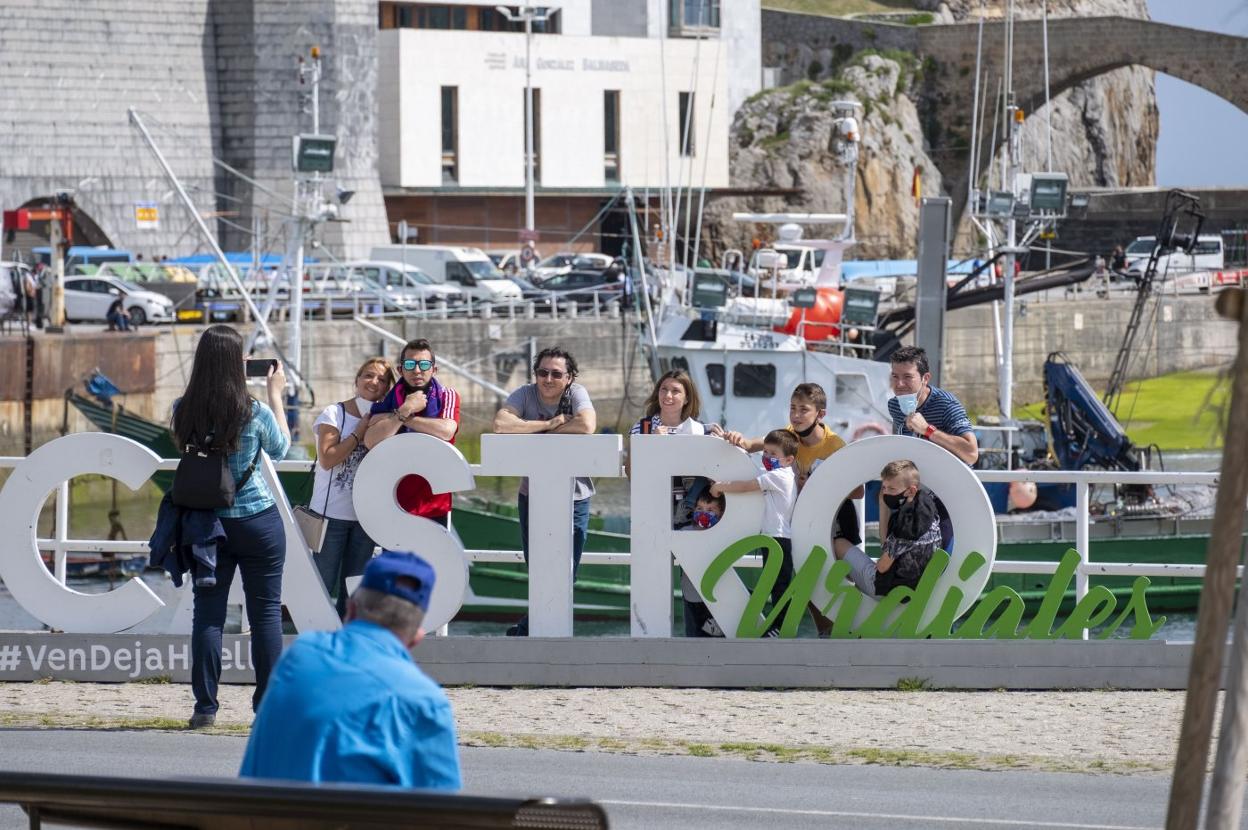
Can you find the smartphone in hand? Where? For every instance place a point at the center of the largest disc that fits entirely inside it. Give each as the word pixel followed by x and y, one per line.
pixel 260 368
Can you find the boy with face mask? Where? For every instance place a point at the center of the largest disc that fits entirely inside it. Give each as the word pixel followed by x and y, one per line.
pixel 779 488
pixel 698 620
pixel 913 533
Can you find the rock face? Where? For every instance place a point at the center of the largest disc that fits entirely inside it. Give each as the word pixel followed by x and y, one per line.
pixel 784 139
pixel 1104 134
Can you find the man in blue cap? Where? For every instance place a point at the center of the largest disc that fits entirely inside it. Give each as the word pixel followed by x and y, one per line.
pixel 351 705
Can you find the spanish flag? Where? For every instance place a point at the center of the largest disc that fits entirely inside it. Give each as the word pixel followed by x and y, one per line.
pixel 916 185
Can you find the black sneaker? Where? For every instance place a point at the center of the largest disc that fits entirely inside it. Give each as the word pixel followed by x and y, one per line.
pixel 520 629
pixel 772 632
pixel 201 720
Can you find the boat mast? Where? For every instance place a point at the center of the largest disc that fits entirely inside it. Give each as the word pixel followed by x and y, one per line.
pixel 1013 126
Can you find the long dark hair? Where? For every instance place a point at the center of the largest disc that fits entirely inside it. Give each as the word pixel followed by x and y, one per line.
pixel 216 399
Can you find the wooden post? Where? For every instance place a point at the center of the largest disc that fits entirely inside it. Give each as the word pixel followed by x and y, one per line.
pixel 1217 592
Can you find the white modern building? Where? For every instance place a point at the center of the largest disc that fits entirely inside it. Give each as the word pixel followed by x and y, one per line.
pixel 636 93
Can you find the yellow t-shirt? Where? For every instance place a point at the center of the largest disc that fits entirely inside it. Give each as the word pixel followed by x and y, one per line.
pixel 809 457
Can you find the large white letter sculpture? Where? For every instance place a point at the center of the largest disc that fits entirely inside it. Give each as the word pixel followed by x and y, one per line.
pixel 551 462
pixel 970 511
pixel 391 527
pixel 654 460
pixel 24 573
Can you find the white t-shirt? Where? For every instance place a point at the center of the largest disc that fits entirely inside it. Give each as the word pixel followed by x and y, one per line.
pixel 340 479
pixel 779 493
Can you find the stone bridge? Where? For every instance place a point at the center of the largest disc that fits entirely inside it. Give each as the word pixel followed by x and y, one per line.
pixel 1079 49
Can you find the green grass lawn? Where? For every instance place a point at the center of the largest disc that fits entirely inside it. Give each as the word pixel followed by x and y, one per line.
pixel 840 8
pixel 1175 412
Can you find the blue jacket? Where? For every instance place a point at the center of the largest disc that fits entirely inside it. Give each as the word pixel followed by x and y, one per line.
pixel 186 540
pixel 351 706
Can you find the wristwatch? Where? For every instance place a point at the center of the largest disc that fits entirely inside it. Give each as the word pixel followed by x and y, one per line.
pixel 929 432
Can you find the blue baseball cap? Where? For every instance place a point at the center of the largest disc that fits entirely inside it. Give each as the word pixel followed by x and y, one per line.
pixel 383 573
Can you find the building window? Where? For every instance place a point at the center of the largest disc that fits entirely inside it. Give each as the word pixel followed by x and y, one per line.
pixel 393 15
pixel 450 135
pixel 693 16
pixel 611 134
pixel 537 131
pixel 686 138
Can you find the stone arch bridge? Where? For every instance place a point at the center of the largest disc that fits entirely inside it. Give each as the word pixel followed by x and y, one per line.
pixel 1079 49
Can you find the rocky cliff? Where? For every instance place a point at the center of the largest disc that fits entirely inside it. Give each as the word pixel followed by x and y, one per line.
pixel 781 139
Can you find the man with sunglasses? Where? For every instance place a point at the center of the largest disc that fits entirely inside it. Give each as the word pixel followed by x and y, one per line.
pixel 417 403
pixel 555 403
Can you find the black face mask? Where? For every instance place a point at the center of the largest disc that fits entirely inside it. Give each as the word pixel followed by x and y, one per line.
pixel 802 433
pixel 893 502
pixel 409 388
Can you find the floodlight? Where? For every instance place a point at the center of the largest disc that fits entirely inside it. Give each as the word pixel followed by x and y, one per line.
pixel 314 153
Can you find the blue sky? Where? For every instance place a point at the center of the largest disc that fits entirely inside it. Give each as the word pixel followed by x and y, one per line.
pixel 1202 136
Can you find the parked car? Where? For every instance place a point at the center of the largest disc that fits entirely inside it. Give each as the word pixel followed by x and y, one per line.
pixel 405 285
pixel 562 263
pixel 88 298
pixel 585 288
pixel 468 268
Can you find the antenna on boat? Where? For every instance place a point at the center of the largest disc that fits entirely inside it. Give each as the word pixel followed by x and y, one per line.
pixel 1026 206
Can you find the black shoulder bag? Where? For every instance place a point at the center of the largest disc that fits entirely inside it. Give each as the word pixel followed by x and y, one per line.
pixel 203 480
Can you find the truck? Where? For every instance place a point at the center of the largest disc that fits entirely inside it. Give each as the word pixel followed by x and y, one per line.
pixel 469 268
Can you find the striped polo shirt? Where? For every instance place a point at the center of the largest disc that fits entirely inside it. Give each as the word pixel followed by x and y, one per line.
pixel 941 409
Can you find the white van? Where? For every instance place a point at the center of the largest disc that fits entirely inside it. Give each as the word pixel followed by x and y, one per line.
pixel 469 268
pixel 1207 255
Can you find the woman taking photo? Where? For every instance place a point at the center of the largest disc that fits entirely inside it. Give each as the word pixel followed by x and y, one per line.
pixel 216 404
pixel 340 430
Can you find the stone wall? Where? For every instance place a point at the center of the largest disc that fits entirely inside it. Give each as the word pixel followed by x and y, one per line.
pixel 209 78
pixel 68 72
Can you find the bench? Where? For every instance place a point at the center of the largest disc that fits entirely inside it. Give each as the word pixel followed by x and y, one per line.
pixel 255 804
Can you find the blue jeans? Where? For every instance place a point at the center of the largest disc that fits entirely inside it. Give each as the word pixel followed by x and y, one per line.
pixel 580 530
pixel 256 544
pixel 345 552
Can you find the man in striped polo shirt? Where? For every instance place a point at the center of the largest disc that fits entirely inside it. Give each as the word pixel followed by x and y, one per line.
pixel 921 410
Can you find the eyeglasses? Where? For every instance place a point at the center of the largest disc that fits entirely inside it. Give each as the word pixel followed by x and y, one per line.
pixel 554 374
pixel 410 365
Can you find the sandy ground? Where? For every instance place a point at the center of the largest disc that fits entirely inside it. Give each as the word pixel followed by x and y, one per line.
pixel 1108 731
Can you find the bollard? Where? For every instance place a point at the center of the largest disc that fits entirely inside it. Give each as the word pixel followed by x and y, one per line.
pixel 442 309
pixel 487 311
pixel 613 311
pixel 530 310
pixel 572 309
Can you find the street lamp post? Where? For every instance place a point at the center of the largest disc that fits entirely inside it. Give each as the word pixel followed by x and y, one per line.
pixel 529 15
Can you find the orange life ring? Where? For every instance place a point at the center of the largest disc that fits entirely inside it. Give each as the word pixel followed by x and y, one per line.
pixel 867 430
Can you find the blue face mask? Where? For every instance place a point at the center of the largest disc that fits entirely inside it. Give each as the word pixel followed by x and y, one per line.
pixel 704 519
pixel 770 463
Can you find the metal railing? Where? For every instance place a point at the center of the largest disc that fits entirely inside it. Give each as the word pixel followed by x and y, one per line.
pixel 59 544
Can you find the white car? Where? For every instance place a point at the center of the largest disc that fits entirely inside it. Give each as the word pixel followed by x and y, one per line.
pixel 88 298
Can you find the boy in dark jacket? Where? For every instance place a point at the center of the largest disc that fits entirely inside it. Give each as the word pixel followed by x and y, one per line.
pixel 913 533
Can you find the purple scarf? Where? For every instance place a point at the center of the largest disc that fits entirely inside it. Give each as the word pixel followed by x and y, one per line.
pixel 395 397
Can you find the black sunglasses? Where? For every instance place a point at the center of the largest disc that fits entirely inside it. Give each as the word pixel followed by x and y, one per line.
pixel 411 365
pixel 551 373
